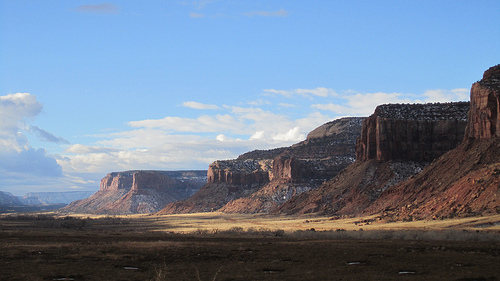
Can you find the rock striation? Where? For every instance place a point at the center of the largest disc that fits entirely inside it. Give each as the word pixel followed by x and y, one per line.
pixel 260 180
pixel 397 141
pixel 412 132
pixel 466 180
pixel 484 115
pixel 133 192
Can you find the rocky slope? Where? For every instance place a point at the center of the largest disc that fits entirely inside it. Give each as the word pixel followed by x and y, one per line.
pixel 464 181
pixel 139 192
pixel 260 180
pixel 396 142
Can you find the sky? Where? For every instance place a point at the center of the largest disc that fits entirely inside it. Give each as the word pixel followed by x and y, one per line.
pixel 91 87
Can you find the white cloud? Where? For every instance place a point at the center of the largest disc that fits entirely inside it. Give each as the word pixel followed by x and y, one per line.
pixel 440 95
pixel 361 104
pixel 198 105
pixel 204 123
pixel 364 104
pixel 220 137
pixel 316 92
pixel 18 160
pixel 320 92
pixel 257 135
pixel 293 134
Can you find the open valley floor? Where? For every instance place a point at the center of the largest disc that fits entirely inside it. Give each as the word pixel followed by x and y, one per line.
pixel 216 246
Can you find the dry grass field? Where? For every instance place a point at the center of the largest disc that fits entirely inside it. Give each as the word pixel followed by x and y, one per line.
pixel 216 246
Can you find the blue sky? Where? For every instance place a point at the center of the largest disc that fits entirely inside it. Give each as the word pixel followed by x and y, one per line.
pixel 87 88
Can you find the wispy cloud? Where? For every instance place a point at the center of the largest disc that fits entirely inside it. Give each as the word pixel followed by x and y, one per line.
pixel 103 8
pixel 198 105
pixel 278 13
pixel 318 92
pixel 363 104
pixel 440 95
pixel 46 136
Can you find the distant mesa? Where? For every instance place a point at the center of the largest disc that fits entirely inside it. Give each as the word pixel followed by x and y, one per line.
pixel 133 192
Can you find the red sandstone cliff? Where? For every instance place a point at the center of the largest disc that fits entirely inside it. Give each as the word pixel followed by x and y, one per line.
pixel 464 181
pixel 138 192
pixel 396 142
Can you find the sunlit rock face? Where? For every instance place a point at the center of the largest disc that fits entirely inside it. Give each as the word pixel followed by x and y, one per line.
pixel 466 180
pixel 132 192
pixel 396 142
pixel 484 116
pixel 266 178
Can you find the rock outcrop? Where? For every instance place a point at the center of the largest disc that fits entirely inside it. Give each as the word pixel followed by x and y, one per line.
pixel 396 142
pixel 260 180
pixel 133 192
pixel 464 181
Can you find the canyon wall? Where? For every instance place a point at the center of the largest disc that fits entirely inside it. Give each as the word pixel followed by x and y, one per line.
pixel 413 132
pixel 397 141
pixel 466 180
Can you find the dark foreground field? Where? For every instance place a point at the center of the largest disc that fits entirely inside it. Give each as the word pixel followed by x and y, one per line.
pixel 120 249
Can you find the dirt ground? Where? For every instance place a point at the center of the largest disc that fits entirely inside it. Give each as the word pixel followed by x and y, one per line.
pixel 115 249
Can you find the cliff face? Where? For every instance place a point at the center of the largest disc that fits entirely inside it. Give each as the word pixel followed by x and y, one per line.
pixel 260 180
pixel 139 192
pixel 484 115
pixel 240 172
pixel 304 166
pixel 396 142
pixel 464 181
pixel 417 132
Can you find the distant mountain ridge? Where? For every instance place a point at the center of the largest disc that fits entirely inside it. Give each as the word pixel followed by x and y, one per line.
pixel 44 198
pixel 8 199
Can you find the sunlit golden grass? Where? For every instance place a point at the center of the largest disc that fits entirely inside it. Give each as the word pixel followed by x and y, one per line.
pixel 214 222
pixel 185 223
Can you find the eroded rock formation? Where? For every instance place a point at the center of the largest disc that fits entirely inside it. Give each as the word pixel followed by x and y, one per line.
pixel 260 180
pixel 464 181
pixel 413 132
pixel 396 142
pixel 132 192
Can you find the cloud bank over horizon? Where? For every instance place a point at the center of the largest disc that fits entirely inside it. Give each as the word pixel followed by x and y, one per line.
pixel 178 142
